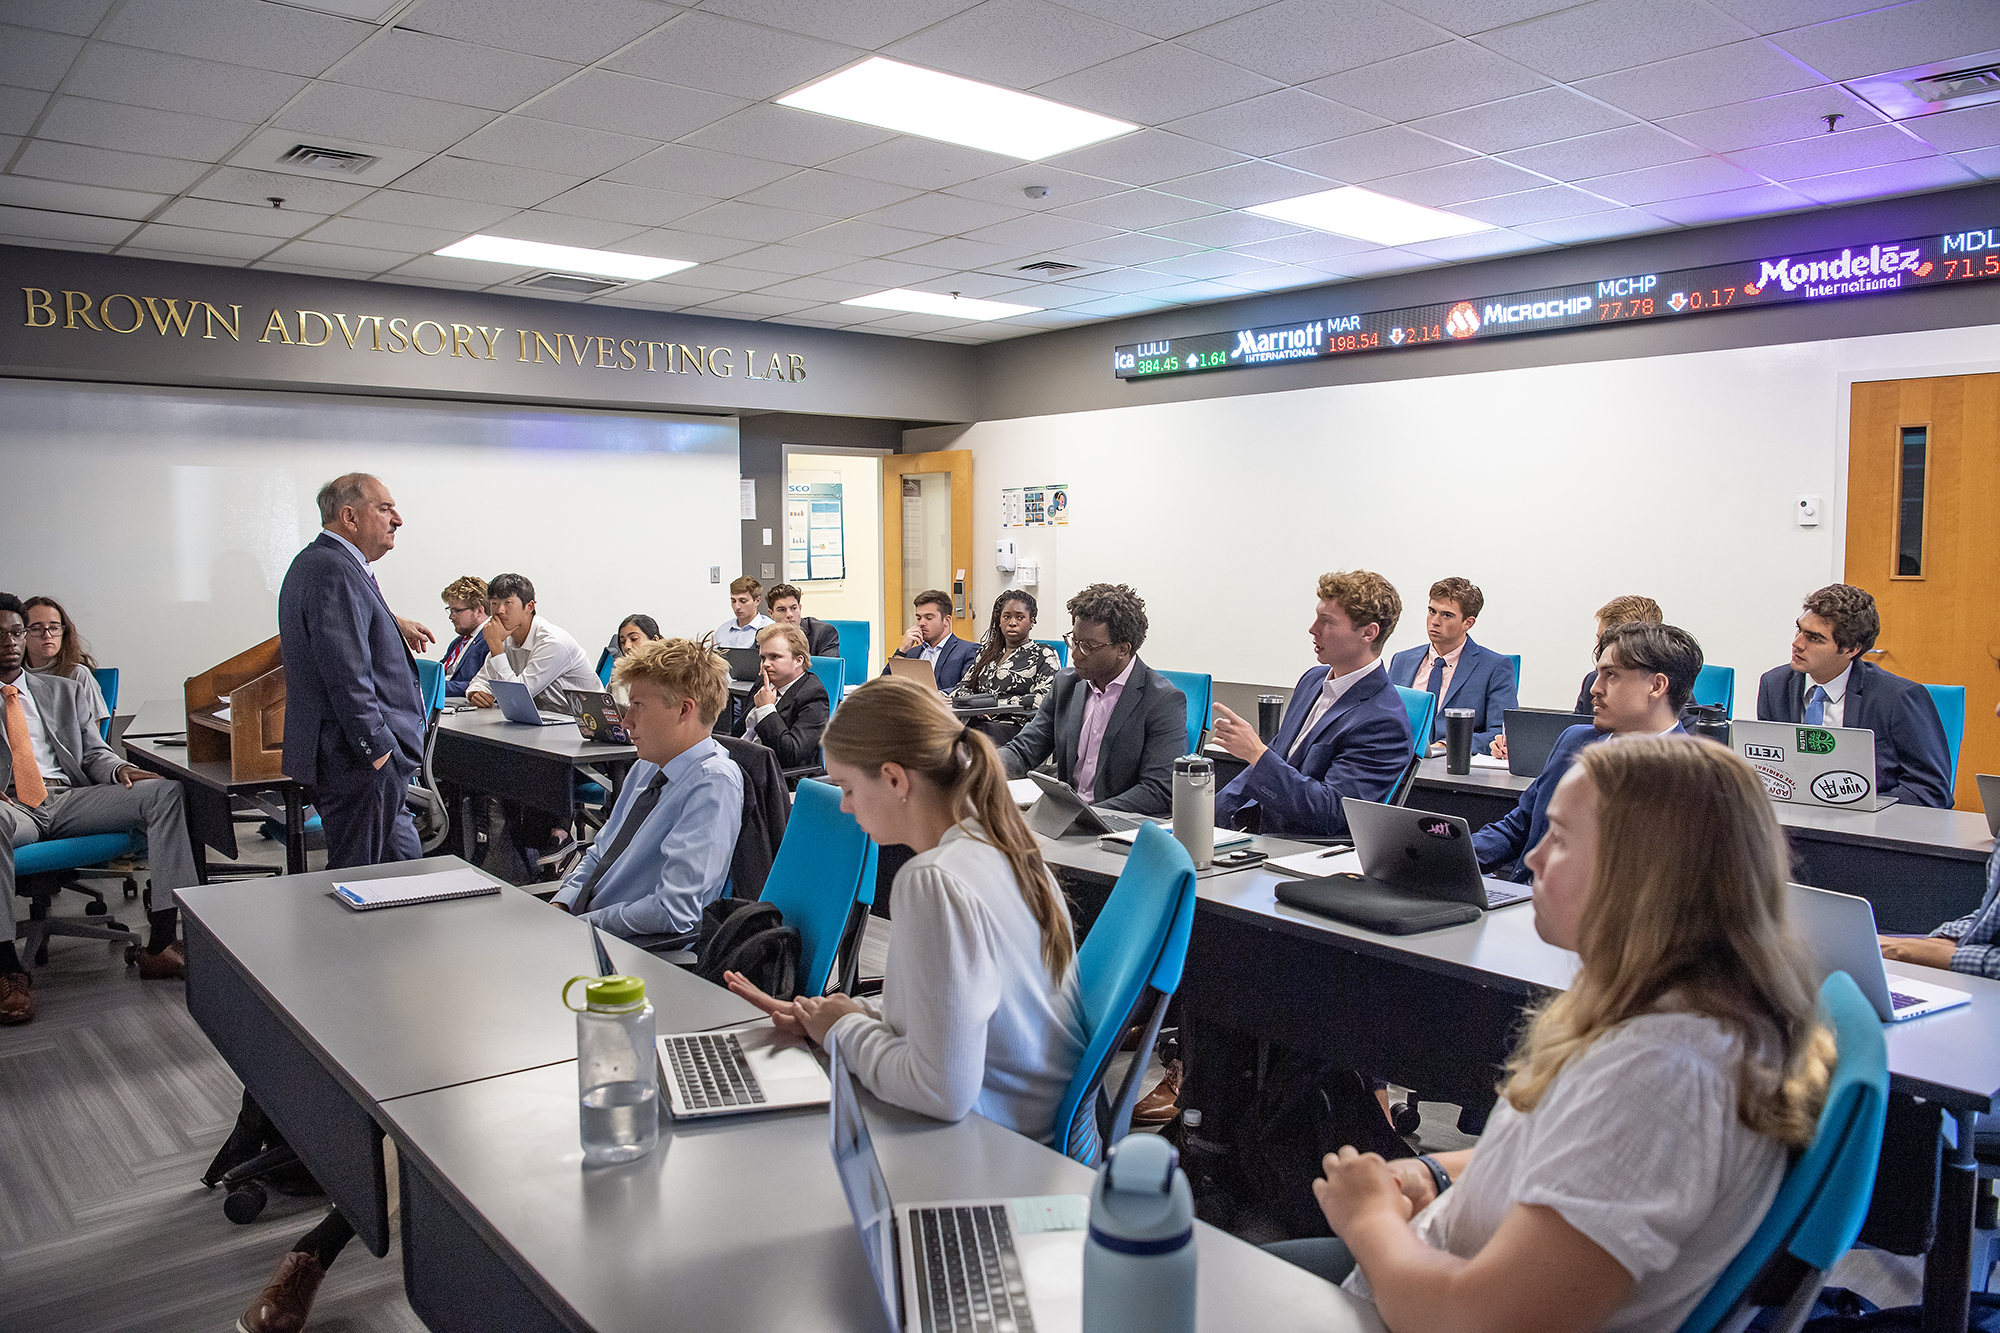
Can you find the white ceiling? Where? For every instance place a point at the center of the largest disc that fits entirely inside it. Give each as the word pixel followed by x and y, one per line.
pixel 650 127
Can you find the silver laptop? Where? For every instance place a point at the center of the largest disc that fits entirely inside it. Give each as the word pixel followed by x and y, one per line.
pixel 1060 811
pixel 1840 930
pixel 1806 765
pixel 967 1265
pixel 738 1070
pixel 1532 734
pixel 914 668
pixel 517 705
pixel 1427 855
pixel 1989 800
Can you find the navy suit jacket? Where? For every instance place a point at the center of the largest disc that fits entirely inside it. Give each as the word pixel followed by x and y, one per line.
pixel 1502 844
pixel 1483 682
pixel 1912 760
pixel 351 692
pixel 954 658
pixel 1359 748
pixel 470 659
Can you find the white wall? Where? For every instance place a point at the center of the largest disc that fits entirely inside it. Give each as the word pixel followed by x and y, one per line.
pixel 164 519
pixel 1553 488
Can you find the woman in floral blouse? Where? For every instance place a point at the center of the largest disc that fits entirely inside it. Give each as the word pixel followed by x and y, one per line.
pixel 1010 665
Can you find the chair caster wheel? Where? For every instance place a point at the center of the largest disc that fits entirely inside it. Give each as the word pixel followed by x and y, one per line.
pixel 131 887
pixel 95 907
pixel 1405 1117
pixel 132 954
pixel 245 1203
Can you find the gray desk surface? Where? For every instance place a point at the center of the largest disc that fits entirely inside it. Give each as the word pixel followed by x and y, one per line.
pixel 158 717
pixel 406 999
pixel 741 1224
pixel 1080 852
pixel 486 726
pixel 172 760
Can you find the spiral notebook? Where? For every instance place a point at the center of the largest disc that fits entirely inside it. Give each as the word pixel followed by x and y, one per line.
pixel 436 887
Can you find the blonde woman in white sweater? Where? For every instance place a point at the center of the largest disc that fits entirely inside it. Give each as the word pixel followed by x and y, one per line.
pixel 979 1008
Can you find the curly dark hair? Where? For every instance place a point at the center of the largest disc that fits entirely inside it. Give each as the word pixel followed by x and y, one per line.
pixel 994 646
pixel 1851 612
pixel 1121 611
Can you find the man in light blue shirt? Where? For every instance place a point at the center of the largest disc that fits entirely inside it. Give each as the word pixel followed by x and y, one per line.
pixel 664 854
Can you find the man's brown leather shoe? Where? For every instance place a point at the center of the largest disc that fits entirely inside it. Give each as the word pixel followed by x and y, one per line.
pixel 1162 1104
pixel 166 965
pixel 282 1307
pixel 17 1000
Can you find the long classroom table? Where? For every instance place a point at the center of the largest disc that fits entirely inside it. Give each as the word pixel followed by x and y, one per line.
pixel 480 750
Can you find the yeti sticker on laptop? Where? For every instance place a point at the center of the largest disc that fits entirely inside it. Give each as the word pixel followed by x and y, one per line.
pixel 1840 787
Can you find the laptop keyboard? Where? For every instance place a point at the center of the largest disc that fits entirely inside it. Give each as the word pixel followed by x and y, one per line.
pixel 1120 823
pixel 1501 897
pixel 713 1072
pixel 968 1276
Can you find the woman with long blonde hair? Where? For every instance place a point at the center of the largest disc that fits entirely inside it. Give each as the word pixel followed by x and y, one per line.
pixel 1646 1118
pixel 979 1007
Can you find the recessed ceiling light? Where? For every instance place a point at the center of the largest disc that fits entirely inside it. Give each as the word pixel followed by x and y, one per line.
pixel 1368 216
pixel 534 254
pixel 924 102
pixel 930 303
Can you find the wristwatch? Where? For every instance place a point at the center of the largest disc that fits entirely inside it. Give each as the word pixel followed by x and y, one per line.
pixel 1438 1176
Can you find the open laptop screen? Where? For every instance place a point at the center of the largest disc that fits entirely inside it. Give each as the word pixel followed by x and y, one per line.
pixel 867 1192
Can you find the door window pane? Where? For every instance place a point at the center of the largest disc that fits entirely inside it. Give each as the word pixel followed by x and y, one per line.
pixel 1910 503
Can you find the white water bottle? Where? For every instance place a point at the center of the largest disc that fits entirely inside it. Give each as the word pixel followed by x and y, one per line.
pixel 616 1070
pixel 1139 1260
pixel 1194 808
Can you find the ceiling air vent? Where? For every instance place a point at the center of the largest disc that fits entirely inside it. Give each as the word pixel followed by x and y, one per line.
pixel 574 284
pixel 1954 84
pixel 1050 267
pixel 328 159
pixel 1942 85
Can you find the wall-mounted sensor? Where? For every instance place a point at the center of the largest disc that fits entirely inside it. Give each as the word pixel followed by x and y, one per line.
pixel 1808 511
pixel 1036 191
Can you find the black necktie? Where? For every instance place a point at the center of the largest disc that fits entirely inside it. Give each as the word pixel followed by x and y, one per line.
pixel 633 818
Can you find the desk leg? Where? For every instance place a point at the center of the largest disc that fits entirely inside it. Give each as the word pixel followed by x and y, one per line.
pixel 1948 1268
pixel 295 830
pixel 468 834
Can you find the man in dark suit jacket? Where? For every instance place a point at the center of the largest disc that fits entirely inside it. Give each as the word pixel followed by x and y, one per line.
pixel 930 638
pixel 1827 683
pixel 786 605
pixel 1346 731
pixel 1467 675
pixel 465 605
pixel 790 708
pixel 354 713
pixel 1113 724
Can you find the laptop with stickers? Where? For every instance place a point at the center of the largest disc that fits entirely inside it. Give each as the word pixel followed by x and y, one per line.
pixel 1801 764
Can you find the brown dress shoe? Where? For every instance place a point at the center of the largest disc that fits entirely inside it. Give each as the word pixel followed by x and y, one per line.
pixel 282 1306
pixel 17 1000
pixel 1162 1104
pixel 166 965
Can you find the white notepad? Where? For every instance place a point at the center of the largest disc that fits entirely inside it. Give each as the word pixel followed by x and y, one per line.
pixel 436 887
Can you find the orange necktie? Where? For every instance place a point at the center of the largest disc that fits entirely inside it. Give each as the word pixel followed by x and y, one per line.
pixel 29 789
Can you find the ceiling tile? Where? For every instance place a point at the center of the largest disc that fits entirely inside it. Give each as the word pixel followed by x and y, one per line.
pixel 1822 154
pixel 1800 115
pixel 18 109
pixel 681 167
pixel 915 323
pixel 1120 305
pixel 1275 123
pixel 1595 226
pixel 957 252
pixel 625 104
pixel 1155 84
pixel 1599 37
pixel 1191 292
pixel 383 118
pixel 1456 182
pixel 1296 40
pixel 141 129
pixel 835 316
pixel 882 274
pixel 1041 231
pixel 829 193
pixel 101 166
pixel 518 141
pixel 241 185
pixel 785 134
pixel 1734 73
pixel 1204 264
pixel 1983 162
pixel 564 229
pixel 1516 122
pixel 1005 281
pixel 38 224
pixel 819 289
pixel 614 202
pixel 1693 210
pixel 942 214
pixel 488 182
pixel 340 258
pixel 1466 17
pixel 65 197
pixel 1624 149
pixel 1959 131
pixel 580 31
pixel 1164 18
pixel 1556 201
pixel 1064 187
pixel 750 222
pixel 669 243
pixel 862 238
pixel 1424 83
pixel 1223 229
pixel 1378 153
pixel 867 26
pixel 191 241
pixel 1146 158
pixel 782 259
pixel 921 164
pixel 1017 43
pixel 417 64
pixel 1778 15
pixel 1090 286
pixel 1307 248
pixel 1649 185
pixel 1896 36
pixel 238 32
pixel 424 210
pixel 1274 278
pixel 77 17
pixel 756 306
pixel 1478 245
pixel 1248 183
pixel 725 56
pixel 177 83
pixel 211 215
pixel 165 256
pixel 662 296
pixel 1136 210
pixel 724 277
pixel 404 277
pixel 31 58
pixel 1927 173
pixel 373 235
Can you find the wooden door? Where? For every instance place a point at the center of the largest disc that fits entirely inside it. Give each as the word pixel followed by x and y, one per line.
pixel 927 539
pixel 1923 535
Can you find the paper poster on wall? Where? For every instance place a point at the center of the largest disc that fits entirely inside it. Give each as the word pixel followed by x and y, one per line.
pixel 1055 506
pixel 1010 508
pixel 746 503
pixel 1035 506
pixel 814 531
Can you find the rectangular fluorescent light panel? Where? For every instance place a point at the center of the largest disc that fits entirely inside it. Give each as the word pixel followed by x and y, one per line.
pixel 1368 216
pixel 534 254
pixel 924 102
pixel 950 307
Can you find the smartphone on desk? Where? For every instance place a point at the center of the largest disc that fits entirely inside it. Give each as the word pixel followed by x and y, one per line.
pixel 1238 859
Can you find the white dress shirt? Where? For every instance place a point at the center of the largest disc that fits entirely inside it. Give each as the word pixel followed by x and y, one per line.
pixel 1329 695
pixel 733 635
pixel 1836 697
pixel 550 664
pixel 38 735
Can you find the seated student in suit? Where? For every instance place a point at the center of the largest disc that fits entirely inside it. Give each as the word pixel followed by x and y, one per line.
pixel 786 603
pixel 1454 668
pixel 930 638
pixel 56 649
pixel 663 855
pixel 1692 1028
pixel 789 710
pixel 1618 611
pixel 63 781
pixel 1346 731
pixel 635 632
pixel 465 604
pixel 1011 666
pixel 1644 675
pixel 1113 724
pixel 979 1008
pixel 528 647
pixel 740 630
pixel 1827 684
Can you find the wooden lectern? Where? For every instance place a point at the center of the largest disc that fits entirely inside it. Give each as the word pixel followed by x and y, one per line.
pixel 248 691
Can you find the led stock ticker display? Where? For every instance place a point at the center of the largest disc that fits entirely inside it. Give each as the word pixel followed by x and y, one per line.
pixel 1856 270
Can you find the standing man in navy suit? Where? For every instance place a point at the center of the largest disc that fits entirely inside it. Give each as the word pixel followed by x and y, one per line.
pixel 1454 668
pixel 1346 731
pixel 1827 684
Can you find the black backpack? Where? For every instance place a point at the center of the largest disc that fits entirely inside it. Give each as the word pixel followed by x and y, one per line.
pixel 753 939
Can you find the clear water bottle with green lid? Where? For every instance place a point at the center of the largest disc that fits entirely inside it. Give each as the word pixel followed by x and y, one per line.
pixel 616 1072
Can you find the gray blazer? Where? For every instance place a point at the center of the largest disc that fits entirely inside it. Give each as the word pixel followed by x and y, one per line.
pixel 80 751
pixel 1135 764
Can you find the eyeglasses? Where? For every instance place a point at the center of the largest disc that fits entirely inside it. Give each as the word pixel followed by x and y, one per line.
pixel 1082 649
pixel 14 635
pixel 46 631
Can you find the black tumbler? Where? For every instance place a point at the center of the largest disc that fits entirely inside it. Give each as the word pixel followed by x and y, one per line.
pixel 1270 716
pixel 1458 740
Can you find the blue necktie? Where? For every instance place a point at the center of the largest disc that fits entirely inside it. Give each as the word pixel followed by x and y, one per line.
pixel 1436 686
pixel 1816 707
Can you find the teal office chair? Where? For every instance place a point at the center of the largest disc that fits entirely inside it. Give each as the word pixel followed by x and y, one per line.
pixel 48 860
pixel 1200 692
pixel 1950 701
pixel 605 661
pixel 1717 685
pixel 1824 1197
pixel 832 673
pixel 107 685
pixel 854 648
pixel 1127 969
pixel 1422 705
pixel 1062 650
pixel 821 870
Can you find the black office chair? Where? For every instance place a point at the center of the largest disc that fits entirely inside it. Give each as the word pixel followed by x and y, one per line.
pixel 254 1162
